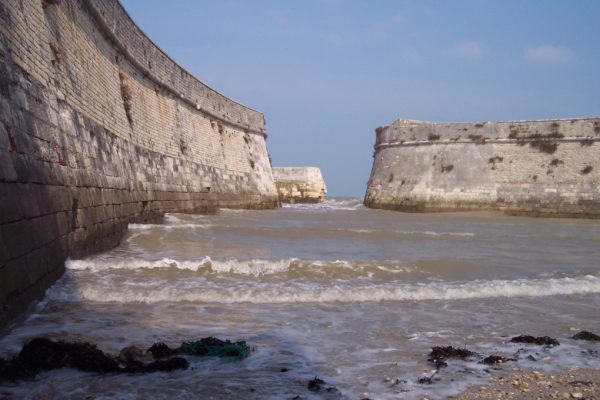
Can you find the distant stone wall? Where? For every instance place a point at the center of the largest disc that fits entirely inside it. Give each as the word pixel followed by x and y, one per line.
pixel 537 168
pixel 99 128
pixel 300 184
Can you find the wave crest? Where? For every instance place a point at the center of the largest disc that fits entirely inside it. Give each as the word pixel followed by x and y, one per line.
pixel 304 292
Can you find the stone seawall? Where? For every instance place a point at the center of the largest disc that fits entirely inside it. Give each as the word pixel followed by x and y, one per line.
pixel 300 184
pixel 538 168
pixel 100 128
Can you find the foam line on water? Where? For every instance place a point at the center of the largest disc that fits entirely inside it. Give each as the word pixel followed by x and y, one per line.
pixel 328 205
pixel 253 267
pixel 307 291
pixel 168 226
pixel 407 233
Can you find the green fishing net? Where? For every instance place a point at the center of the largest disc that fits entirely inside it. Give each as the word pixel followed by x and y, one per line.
pixel 215 348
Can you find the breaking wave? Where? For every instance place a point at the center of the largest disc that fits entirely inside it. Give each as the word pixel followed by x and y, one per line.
pixel 292 281
pixel 254 267
pixel 204 291
pixel 407 233
pixel 331 204
pixel 143 227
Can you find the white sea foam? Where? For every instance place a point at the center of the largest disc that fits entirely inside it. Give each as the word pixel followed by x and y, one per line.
pixel 407 233
pixel 252 267
pixel 309 291
pixel 331 204
pixel 99 265
pixel 168 226
pixel 246 267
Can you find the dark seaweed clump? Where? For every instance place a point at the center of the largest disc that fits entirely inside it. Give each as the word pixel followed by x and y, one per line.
pixel 540 340
pixel 439 355
pixel 585 335
pixel 494 359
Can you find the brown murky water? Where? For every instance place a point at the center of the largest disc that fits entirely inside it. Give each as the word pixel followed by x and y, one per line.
pixel 353 295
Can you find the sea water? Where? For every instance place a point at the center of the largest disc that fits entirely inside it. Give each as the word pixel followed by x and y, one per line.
pixel 354 296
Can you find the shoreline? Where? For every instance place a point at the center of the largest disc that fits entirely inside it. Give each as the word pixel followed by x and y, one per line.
pixel 572 383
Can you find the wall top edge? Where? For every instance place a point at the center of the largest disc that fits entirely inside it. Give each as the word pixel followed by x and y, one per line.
pixel 414 122
pixel 294 168
pixel 124 11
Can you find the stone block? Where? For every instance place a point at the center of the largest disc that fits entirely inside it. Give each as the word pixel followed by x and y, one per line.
pixel 7 170
pixel 18 237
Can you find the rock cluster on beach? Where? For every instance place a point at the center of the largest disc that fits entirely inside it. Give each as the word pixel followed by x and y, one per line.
pixel 43 354
pixel 574 384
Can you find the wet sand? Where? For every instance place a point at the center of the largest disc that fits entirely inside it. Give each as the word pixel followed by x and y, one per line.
pixel 573 384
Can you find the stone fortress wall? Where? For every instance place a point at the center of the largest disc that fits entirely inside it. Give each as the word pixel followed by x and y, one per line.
pixel 299 184
pixel 99 128
pixel 537 168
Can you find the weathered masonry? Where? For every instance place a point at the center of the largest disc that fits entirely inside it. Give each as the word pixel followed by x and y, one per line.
pixel 537 168
pixel 99 128
pixel 299 184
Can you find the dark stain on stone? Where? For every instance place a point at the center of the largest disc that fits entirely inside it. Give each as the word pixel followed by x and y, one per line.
pixel 11 140
pixel 478 139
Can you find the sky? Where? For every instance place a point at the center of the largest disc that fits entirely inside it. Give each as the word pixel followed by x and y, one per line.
pixel 327 73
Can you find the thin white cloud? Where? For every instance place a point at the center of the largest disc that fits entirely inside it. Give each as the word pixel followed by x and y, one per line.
pixel 549 54
pixel 468 49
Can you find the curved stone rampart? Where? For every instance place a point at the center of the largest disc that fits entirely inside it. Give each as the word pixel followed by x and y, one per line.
pixel 100 128
pixel 537 168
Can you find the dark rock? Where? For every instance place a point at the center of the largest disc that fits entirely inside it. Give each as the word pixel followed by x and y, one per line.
pixel 581 383
pixel 585 335
pixel 426 380
pixel 131 355
pixel 494 359
pixel 314 385
pixel 46 355
pixel 541 340
pixel 283 370
pixel 160 350
pixel 531 358
pixel 170 364
pixel 43 355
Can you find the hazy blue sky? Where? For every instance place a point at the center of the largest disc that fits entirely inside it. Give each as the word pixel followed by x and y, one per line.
pixel 326 73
